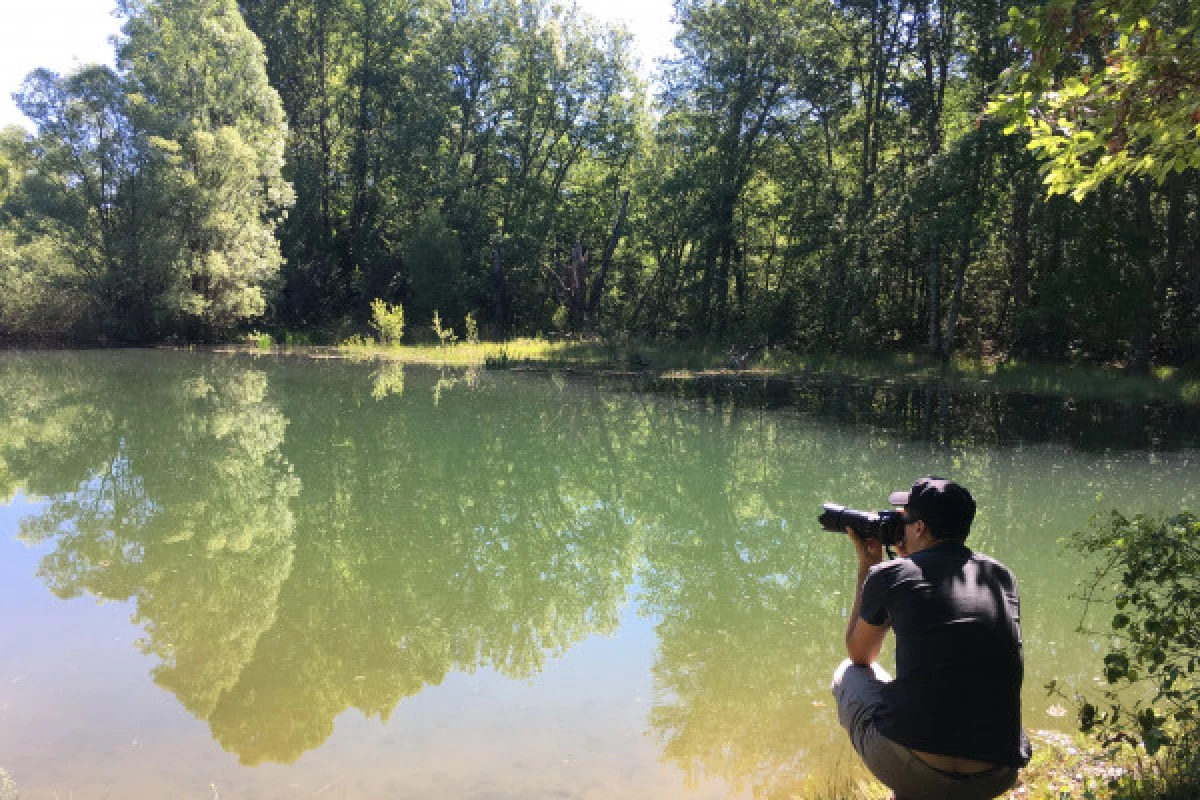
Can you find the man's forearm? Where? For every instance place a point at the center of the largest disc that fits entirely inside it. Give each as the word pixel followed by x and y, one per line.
pixel 856 609
pixel 863 639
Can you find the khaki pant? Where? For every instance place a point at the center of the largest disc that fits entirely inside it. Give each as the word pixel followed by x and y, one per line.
pixel 859 693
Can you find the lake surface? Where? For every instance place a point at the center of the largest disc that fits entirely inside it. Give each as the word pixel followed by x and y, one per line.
pixel 239 577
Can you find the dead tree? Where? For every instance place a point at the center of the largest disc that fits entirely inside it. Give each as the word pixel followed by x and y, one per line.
pixel 571 282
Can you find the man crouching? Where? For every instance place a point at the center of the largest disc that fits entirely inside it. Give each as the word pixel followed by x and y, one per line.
pixel 949 726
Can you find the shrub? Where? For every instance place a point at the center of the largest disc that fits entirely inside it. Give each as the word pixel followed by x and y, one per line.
pixel 445 335
pixel 472 328
pixel 388 321
pixel 497 361
pixel 1149 569
pixel 561 319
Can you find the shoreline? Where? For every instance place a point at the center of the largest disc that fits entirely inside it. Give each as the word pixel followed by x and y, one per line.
pixel 678 363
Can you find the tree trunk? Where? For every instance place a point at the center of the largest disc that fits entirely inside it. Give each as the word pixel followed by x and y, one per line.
pixel 931 90
pixel 1190 274
pixel 933 287
pixel 1145 317
pixel 975 155
pixel 1019 255
pixel 606 261
pixel 722 287
pixel 960 274
pixel 1177 315
pixel 323 131
pixel 874 93
pixel 358 208
pixel 499 291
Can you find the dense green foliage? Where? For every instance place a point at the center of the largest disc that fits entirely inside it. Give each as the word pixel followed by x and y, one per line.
pixel 818 174
pixel 1110 89
pixel 1150 571
pixel 446 155
pixel 146 205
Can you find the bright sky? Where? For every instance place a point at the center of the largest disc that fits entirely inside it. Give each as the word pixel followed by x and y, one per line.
pixel 64 34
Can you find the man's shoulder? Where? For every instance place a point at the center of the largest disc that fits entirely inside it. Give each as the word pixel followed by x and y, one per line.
pixel 987 561
pixel 893 570
pixel 956 556
pixel 994 567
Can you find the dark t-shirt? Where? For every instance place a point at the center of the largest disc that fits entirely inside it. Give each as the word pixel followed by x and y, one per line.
pixel 959 666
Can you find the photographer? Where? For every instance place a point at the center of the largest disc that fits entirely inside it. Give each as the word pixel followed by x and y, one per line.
pixel 949 725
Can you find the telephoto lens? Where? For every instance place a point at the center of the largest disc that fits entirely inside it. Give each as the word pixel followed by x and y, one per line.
pixel 886 526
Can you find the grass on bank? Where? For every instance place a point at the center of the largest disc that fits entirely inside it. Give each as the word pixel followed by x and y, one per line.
pixel 1064 767
pixel 1076 767
pixel 687 360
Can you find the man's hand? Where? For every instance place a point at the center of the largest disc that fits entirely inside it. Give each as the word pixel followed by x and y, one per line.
pixel 869 551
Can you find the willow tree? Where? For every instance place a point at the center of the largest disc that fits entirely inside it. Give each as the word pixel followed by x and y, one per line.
pixel 213 133
pixel 147 201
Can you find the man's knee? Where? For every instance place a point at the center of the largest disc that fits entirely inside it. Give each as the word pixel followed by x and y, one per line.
pixel 855 678
pixel 858 691
pixel 839 676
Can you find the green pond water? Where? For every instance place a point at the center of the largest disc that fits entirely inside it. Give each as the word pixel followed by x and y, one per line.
pixel 239 577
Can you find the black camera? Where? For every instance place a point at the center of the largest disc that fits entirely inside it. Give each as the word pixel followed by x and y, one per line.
pixel 886 526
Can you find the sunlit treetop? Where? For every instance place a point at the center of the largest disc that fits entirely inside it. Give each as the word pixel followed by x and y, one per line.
pixel 1106 90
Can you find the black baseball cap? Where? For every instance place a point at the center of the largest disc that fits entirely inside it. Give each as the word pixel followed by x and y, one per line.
pixel 947 508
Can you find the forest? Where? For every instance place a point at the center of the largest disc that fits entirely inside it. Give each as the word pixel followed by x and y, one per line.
pixel 967 177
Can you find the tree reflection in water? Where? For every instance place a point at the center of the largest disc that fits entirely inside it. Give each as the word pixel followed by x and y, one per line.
pixel 414 550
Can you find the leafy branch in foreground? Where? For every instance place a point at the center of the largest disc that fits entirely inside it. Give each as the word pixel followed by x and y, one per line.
pixel 1150 571
pixel 1107 89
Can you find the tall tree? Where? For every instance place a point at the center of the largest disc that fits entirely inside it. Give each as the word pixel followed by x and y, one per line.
pixel 442 149
pixel 730 82
pixel 214 132
pixel 76 202
pixel 1107 95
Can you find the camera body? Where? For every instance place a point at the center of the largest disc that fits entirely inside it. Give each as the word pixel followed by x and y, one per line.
pixel 886 526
